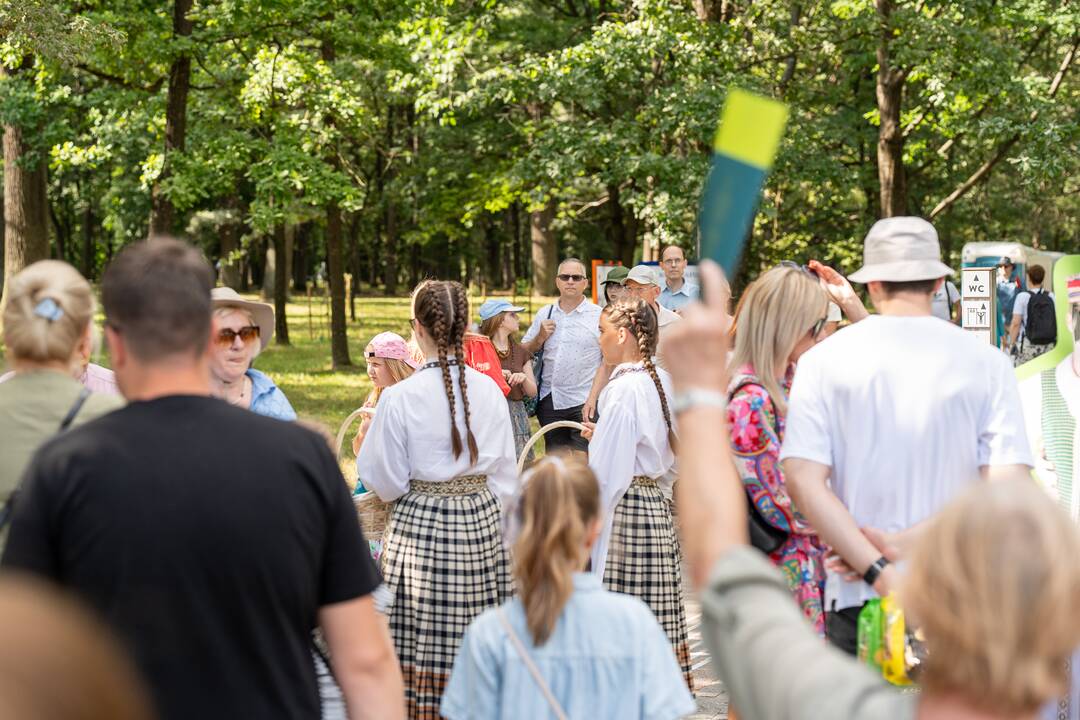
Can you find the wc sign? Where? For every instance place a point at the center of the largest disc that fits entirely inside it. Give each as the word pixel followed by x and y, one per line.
pixel 978 307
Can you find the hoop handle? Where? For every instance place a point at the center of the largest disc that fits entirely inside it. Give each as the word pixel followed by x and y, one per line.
pixel 349 421
pixel 541 433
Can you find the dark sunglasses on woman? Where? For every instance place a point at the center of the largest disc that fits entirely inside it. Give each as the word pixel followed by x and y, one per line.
pixel 248 334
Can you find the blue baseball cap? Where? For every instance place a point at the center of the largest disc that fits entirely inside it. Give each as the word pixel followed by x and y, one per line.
pixel 493 307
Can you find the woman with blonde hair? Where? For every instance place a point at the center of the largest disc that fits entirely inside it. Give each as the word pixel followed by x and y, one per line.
pixel 564 645
pixel 48 329
pixel 992 583
pixel 781 316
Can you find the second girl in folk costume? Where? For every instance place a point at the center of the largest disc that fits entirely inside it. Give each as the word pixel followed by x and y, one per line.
pixel 444 561
pixel 631 451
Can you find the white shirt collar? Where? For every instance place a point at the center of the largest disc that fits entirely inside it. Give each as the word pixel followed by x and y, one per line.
pixel 580 306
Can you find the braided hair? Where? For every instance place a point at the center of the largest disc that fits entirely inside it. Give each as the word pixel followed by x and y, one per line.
pixel 442 308
pixel 639 318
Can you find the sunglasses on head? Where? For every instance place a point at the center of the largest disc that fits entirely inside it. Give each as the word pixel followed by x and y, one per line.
pixel 249 334
pixel 571 278
pixel 804 268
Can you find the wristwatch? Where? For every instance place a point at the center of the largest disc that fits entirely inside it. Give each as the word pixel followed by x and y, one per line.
pixel 693 397
pixel 874 571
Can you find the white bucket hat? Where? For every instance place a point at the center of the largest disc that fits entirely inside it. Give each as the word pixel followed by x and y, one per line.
pixel 901 249
pixel 261 313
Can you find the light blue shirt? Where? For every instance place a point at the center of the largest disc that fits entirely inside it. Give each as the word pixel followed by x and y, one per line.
pixel 676 300
pixel 608 658
pixel 267 398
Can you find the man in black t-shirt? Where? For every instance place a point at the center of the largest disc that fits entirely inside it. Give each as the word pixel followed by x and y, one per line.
pixel 211 539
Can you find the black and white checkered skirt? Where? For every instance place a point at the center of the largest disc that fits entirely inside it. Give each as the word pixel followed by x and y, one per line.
pixel 644 560
pixel 444 563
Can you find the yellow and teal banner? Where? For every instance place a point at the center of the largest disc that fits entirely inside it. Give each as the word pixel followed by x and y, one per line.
pixel 743 152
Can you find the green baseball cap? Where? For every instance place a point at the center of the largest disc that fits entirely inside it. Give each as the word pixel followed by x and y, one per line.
pixel 616 275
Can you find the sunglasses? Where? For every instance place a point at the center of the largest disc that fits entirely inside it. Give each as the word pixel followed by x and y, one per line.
pixel 227 336
pixel 804 268
pixel 571 278
pixel 817 327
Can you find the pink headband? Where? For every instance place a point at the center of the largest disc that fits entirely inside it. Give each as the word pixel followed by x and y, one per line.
pixel 392 347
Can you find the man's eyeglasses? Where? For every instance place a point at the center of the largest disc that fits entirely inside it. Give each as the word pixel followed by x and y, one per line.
pixel 673 262
pixel 248 334
pixel 571 278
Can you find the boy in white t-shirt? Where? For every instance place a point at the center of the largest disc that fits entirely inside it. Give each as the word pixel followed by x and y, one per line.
pixel 891 418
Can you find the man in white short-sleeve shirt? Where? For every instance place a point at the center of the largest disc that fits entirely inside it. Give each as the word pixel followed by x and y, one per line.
pixel 569 332
pixel 891 418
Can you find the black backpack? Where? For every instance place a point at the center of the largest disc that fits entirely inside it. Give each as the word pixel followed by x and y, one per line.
pixel 1041 327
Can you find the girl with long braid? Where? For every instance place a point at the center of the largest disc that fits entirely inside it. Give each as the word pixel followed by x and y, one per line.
pixel 632 452
pixel 444 561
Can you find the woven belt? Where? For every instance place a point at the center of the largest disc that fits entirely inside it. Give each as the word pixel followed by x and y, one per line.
pixel 645 482
pixel 464 485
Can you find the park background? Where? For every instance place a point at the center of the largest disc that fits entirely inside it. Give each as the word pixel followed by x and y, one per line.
pixel 347 149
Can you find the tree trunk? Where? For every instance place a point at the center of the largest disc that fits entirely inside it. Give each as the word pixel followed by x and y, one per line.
pixel 281 287
pixel 287 256
pixel 62 231
pixel 623 228
pixel 335 267
pixel 335 255
pixel 890 150
pixel 269 269
pixel 26 211
pixel 230 245
pixel 355 263
pixel 298 271
pixel 390 248
pixel 162 211
pixel 710 10
pixel 88 264
pixel 544 249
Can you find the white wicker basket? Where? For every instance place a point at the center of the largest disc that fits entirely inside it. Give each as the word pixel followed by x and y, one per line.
pixel 374 514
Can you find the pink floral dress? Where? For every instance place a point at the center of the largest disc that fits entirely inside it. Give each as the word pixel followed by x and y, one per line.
pixel 756 434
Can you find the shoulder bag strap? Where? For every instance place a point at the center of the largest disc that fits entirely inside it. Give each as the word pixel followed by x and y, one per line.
pixel 74 410
pixel 533 670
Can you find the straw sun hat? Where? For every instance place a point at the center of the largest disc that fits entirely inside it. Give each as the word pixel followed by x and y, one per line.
pixel 261 313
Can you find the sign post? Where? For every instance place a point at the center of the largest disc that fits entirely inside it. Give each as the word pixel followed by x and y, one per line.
pixel 978 307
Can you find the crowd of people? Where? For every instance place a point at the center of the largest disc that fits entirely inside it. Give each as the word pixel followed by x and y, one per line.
pixel 814 466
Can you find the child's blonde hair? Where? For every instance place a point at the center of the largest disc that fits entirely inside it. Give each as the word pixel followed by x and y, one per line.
pixel 559 502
